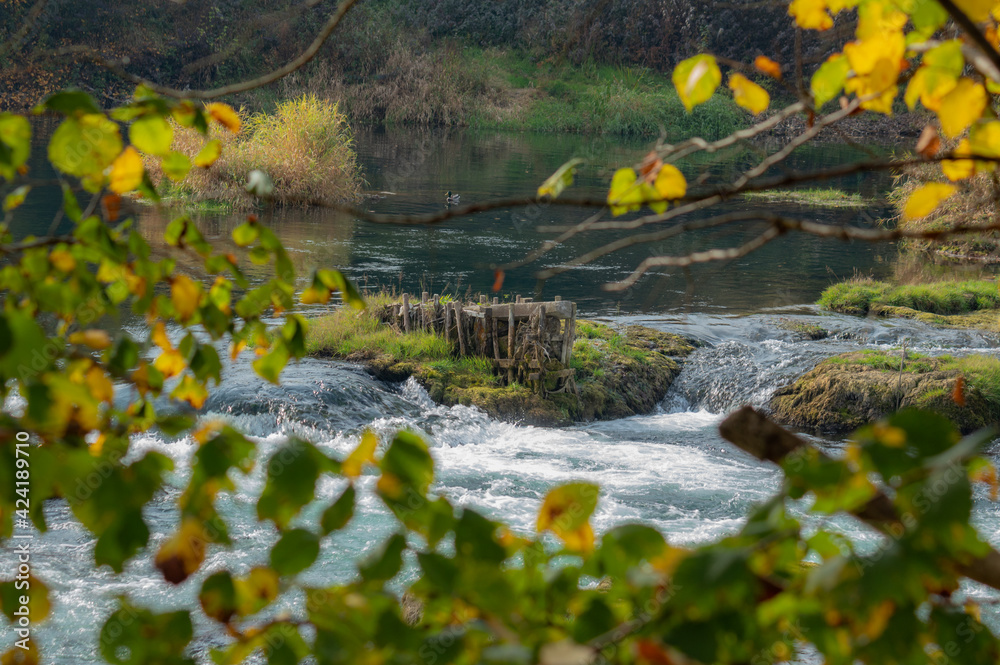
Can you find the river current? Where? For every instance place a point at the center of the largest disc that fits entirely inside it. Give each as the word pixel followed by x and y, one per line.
pixel 669 469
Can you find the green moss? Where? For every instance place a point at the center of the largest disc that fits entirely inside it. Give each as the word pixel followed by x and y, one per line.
pixel 850 390
pixel 619 373
pixel 937 302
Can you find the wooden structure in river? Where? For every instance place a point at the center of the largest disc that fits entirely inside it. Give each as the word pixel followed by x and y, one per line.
pixel 529 342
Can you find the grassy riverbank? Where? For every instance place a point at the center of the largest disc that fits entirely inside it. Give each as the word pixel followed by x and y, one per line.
pixel 971 304
pixel 853 389
pixel 305 146
pixel 619 373
pixel 819 198
pixel 494 88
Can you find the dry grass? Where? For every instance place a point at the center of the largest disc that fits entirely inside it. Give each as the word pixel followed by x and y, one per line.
pixel 977 202
pixel 305 146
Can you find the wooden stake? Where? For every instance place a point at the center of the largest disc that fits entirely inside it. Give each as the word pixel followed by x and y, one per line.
pixel 447 323
pixel 461 331
pixel 406 312
pixel 493 330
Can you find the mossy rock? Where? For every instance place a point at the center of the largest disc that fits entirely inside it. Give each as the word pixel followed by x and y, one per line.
pixel 848 391
pixel 619 372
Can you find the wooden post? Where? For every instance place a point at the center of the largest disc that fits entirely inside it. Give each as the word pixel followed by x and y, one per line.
pixel 447 323
pixel 493 333
pixel 558 298
pixel 434 312
pixel 510 343
pixel 423 310
pixel 406 312
pixel 518 301
pixel 461 326
pixel 571 335
pixel 496 301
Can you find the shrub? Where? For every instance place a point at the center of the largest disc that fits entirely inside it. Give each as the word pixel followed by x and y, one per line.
pixel 305 146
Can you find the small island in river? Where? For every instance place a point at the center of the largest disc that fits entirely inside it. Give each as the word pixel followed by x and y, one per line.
pixel 518 374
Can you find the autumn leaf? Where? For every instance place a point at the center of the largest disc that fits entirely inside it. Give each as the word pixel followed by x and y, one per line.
pixel 498 276
pixel 566 512
pixel 182 554
pixel 126 171
pixel 810 14
pixel 748 94
pixel 190 391
pixel 209 153
pixel 93 338
pixel 365 452
pixel 929 142
pixel 224 115
pixel 961 107
pixel 958 393
pixel 670 183
pixel 185 294
pixel 959 169
pixel 926 199
pixel 765 65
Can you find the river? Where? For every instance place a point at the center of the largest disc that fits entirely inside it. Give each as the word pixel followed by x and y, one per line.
pixel 669 469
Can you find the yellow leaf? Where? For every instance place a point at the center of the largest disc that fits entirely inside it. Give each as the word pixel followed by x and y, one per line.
pixel 959 169
pixel 95 339
pixel 566 512
pixel 961 107
pixel 224 115
pixel 696 80
pixel 670 183
pixel 748 94
pixel 829 79
pixel 365 452
pixel 314 296
pixel 836 6
pixel 100 385
pixel 625 193
pixel 62 260
pixel 126 171
pixel 924 201
pixel 170 363
pixel 182 554
pixel 185 294
pixel 190 391
pixel 878 18
pixel 159 337
pixel 810 14
pixel 984 139
pixel 208 154
pixel 767 66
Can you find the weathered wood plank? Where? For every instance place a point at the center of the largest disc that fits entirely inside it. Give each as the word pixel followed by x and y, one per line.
pixel 461 328
pixel 406 312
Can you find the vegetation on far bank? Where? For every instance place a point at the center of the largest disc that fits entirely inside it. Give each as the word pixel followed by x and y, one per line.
pixel 305 146
pixel 975 204
pixel 619 373
pixel 850 390
pixel 971 304
pixel 818 197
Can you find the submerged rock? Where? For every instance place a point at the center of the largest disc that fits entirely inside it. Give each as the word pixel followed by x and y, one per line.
pixel 853 389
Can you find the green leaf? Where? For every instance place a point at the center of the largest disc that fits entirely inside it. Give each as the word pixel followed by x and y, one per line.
pixel 15 143
pixel 696 80
pixel 136 636
pixel 218 597
pixel 560 180
pixel 71 102
pixel 337 281
pixel 85 147
pixel 339 514
pixel 295 552
pixel 36 592
pixel 625 194
pixel 15 198
pixel 407 469
pixel 246 234
pixel 384 563
pixel 269 366
pixel 175 165
pixel 829 79
pixel 291 481
pixel 152 135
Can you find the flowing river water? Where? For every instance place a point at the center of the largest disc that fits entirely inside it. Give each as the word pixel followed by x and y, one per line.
pixel 669 468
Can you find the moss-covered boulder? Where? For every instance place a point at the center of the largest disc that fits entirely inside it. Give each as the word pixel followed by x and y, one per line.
pixel 850 390
pixel 619 372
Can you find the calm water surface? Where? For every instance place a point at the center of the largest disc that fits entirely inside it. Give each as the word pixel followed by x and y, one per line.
pixel 668 468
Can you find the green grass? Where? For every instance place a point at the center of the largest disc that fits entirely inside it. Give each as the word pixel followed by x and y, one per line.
pixel 349 334
pixel 821 198
pixel 859 296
